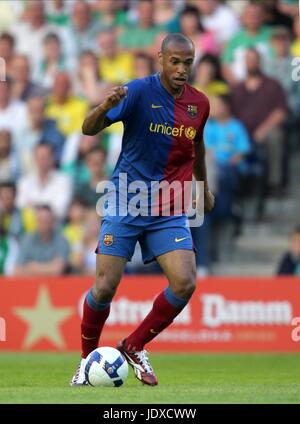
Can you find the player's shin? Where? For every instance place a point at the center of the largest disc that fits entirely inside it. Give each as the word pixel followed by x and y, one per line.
pixel 165 309
pixel 94 316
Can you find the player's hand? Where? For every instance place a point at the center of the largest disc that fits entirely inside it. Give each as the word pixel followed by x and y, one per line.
pixel 209 201
pixel 113 97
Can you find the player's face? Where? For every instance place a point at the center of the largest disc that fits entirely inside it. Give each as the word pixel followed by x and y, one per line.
pixel 177 62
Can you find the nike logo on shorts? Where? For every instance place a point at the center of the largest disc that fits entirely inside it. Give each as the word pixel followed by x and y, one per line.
pixel 178 240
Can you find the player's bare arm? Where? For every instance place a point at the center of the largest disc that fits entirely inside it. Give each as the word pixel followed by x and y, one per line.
pixel 199 171
pixel 96 119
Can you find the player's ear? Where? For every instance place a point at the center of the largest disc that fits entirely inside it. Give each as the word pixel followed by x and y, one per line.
pixel 160 58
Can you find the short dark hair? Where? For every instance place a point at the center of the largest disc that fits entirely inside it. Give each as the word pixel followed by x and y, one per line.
pixel 254 50
pixel 44 143
pixel 87 52
pixel 226 99
pixel 95 149
pixel 44 207
pixel 194 11
pixel 214 61
pixel 8 184
pixel 51 36
pixel 175 37
pixel 8 37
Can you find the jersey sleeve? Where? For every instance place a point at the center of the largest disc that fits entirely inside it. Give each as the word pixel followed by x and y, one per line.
pixel 199 135
pixel 123 110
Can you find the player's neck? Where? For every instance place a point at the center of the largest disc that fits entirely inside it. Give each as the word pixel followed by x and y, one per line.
pixel 170 90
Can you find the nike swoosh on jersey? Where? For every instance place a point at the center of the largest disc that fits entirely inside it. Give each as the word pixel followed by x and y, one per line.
pixel 154 332
pixel 177 240
pixel 155 106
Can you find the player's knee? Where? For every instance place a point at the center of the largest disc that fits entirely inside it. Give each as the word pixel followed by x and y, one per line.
pixel 104 288
pixel 185 286
pixel 103 293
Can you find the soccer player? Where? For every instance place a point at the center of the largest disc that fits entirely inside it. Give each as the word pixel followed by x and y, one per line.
pixel 163 120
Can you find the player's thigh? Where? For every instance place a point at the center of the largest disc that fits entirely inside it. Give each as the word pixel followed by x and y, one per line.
pixel 109 270
pixel 179 266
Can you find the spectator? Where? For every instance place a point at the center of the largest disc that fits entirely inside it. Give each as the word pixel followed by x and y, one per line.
pixel 53 61
pixel 279 68
pixel 260 103
pixel 12 218
pixel 58 13
pixel 68 110
pixel 227 141
pixel 73 162
pixel 88 83
pixel 95 162
pixel 9 167
pixel 22 86
pixel 142 35
pixel 110 14
pixel 191 26
pixel 208 76
pixel 39 130
pixel 30 33
pixel 83 27
pixel 115 65
pixel 8 251
pixel 7 46
pixel 219 19
pixel 290 263
pixel 74 232
pixel 45 184
pixel 11 111
pixel 143 65
pixel 166 16
pixel 254 35
pixel 44 252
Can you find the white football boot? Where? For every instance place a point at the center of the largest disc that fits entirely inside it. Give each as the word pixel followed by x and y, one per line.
pixel 79 376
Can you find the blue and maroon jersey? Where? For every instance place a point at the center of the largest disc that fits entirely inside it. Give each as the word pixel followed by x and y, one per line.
pixel 159 132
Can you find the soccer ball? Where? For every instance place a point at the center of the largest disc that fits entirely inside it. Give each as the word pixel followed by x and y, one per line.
pixel 106 366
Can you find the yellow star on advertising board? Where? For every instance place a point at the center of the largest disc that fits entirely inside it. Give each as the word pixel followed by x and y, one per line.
pixel 43 320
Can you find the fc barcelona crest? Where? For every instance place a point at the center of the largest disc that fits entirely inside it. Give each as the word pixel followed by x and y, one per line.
pixel 192 111
pixel 108 239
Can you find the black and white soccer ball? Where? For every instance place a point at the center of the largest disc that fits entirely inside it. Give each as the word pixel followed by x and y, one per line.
pixel 106 366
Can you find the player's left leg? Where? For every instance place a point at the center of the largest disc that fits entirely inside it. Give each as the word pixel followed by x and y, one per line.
pixel 179 267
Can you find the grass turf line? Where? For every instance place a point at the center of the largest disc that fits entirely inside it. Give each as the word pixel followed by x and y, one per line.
pixel 183 378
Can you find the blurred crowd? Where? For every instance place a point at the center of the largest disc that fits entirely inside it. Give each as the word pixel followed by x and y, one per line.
pixel 59 57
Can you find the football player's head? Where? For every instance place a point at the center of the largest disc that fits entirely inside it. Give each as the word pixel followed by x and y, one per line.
pixel 176 58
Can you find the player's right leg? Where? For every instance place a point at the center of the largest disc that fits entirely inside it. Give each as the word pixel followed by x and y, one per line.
pixel 96 308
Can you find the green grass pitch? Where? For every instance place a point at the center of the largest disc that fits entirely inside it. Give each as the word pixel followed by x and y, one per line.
pixel 183 378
